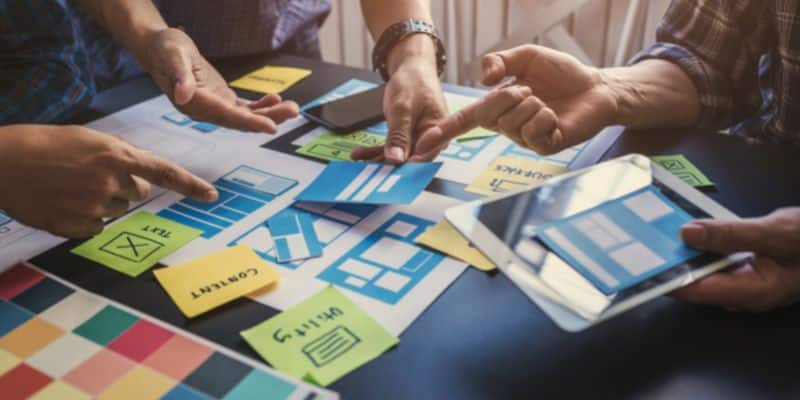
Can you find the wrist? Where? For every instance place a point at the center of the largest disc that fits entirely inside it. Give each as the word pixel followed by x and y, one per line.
pixel 623 94
pixel 417 48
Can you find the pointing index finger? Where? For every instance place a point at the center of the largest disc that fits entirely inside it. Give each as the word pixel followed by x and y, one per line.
pixel 168 175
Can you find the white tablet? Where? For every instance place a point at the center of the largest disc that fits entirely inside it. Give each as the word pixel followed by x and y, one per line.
pixel 593 243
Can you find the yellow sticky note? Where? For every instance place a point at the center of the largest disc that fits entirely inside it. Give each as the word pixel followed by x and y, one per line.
pixel 510 173
pixel 271 79
pixel 211 281
pixel 446 239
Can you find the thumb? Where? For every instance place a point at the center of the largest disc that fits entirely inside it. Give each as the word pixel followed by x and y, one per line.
pixel 729 236
pixel 398 141
pixel 179 68
pixel 511 62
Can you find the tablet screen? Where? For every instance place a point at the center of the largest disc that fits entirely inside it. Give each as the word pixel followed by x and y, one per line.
pixel 614 226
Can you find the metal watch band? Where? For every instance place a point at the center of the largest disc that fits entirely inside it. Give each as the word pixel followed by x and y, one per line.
pixel 396 33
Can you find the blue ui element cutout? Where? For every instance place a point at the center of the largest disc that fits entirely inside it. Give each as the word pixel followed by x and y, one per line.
pixel 180 119
pixel 241 192
pixel 370 183
pixel 330 221
pixel 387 264
pixel 621 243
pixel 566 157
pixel 293 233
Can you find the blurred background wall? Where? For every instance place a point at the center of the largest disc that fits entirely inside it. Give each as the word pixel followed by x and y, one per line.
pixel 603 32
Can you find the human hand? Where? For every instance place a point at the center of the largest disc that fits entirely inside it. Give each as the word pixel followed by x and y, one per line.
pixel 199 91
pixel 554 102
pixel 66 179
pixel 413 103
pixel 770 280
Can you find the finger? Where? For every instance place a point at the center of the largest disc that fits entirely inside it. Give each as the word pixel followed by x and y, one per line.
pixel 538 132
pixel 757 287
pixel 265 101
pixel 399 119
pixel 511 62
pixel 731 236
pixel 212 108
pixel 511 122
pixel 366 153
pixel 133 188
pixel 165 174
pixel 498 102
pixel 179 69
pixel 117 208
pixel 280 112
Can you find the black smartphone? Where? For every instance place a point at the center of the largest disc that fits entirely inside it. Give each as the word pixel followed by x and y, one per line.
pixel 350 113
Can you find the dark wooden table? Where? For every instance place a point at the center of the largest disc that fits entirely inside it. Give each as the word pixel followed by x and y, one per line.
pixel 484 339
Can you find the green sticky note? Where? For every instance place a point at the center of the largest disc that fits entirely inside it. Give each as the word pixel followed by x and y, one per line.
pixel 681 167
pixel 336 147
pixel 321 339
pixel 475 134
pixel 136 243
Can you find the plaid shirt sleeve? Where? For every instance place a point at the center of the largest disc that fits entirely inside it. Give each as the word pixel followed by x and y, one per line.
pixel 712 41
pixel 45 76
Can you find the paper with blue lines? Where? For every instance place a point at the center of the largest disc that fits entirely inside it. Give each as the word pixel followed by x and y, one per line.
pixel 241 192
pixel 370 183
pixel 330 221
pixel 294 236
pixel 624 242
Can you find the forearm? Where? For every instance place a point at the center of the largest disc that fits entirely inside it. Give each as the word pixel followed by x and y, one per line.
pixel 381 14
pixel 653 94
pixel 132 22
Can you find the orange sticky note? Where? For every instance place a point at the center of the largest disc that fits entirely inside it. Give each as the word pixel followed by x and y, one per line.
pixel 206 283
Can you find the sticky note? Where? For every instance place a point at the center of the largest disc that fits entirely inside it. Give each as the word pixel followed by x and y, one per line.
pixel 336 147
pixel 203 284
pixel 293 234
pixel 510 173
pixel 446 239
pixel 136 243
pixel 622 242
pixel 370 183
pixel 681 167
pixel 271 79
pixel 320 339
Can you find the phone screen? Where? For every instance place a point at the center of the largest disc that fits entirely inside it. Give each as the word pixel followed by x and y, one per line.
pixel 350 113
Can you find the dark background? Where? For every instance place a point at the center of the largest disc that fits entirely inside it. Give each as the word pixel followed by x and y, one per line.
pixel 484 339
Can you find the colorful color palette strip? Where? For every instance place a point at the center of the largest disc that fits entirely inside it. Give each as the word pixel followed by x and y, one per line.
pixel 61 342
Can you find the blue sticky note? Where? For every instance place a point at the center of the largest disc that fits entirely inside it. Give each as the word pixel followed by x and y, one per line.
pixel 205 127
pixel 623 242
pixel 370 183
pixel 292 231
pixel 177 118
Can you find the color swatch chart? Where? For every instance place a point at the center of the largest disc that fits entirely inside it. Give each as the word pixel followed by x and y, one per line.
pixel 241 192
pixel 330 222
pixel 57 342
pixel 387 263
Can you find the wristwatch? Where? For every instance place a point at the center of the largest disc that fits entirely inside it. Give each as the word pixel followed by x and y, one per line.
pixel 396 33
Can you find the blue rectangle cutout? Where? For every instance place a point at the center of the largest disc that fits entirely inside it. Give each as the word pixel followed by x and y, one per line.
pixel 370 183
pixel 292 230
pixel 623 242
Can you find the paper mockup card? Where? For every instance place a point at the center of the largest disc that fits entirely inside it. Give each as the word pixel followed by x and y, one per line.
pixel 370 183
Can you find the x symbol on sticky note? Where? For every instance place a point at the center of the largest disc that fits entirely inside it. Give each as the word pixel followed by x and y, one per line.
pixel 132 246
